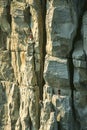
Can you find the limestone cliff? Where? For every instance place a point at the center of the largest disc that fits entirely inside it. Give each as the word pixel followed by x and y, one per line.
pixel 43 65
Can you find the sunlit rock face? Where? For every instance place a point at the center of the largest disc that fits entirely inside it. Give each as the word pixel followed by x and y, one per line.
pixel 43 65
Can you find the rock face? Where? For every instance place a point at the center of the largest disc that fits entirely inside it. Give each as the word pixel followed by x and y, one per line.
pixel 43 65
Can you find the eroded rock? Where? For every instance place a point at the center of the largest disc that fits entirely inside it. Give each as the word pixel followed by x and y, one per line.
pixel 43 65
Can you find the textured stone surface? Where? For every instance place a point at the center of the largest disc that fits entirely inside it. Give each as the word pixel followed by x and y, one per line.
pixel 56 70
pixel 43 65
pixel 61 28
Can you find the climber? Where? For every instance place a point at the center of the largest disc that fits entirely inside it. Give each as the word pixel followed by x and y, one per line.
pixel 31 37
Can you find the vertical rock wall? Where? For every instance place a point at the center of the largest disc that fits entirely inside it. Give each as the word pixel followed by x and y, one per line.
pixel 43 65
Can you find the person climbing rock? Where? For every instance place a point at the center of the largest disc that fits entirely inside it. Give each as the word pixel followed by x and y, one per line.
pixel 30 38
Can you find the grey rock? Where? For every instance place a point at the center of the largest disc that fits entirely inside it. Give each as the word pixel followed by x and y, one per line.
pixel 78 53
pixel 60 31
pixel 56 72
pixel 85 32
pixel 79 101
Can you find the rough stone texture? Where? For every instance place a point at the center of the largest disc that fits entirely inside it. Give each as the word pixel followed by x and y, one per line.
pixel 61 28
pixel 80 78
pixel 43 65
pixel 53 76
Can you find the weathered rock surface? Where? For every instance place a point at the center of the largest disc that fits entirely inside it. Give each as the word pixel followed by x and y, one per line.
pixel 43 65
pixel 55 71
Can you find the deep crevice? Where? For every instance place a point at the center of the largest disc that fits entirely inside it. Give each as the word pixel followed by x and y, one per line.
pixel 9 18
pixel 43 6
pixel 43 51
